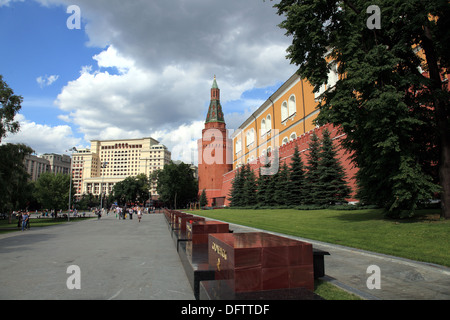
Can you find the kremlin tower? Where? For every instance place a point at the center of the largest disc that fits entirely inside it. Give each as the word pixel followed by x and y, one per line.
pixel 214 152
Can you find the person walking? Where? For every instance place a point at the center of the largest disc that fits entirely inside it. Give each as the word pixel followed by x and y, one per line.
pixel 139 214
pixel 25 217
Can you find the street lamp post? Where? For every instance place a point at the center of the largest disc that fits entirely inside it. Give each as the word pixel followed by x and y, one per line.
pixel 70 185
pixel 104 164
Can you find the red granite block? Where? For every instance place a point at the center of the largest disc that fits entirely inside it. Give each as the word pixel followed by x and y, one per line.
pixel 181 223
pixel 261 261
pixel 302 276
pixel 275 278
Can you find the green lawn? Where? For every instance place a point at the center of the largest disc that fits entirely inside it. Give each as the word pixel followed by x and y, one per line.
pixel 424 238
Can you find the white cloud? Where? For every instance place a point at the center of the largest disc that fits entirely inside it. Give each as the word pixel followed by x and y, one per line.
pixel 43 138
pixel 45 81
pixel 7 2
pixel 155 72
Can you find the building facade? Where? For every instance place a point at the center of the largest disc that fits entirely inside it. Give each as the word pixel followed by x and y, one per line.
pixel 35 166
pixel 285 115
pixel 59 163
pixel 284 121
pixel 98 169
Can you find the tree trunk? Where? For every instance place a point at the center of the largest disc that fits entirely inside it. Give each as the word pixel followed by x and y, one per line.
pixel 442 112
pixel 444 175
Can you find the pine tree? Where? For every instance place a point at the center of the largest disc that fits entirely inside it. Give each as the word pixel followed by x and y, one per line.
pixel 271 188
pixel 312 175
pixel 203 199
pixel 237 186
pixel 297 185
pixel 332 185
pixel 263 192
pixel 282 186
pixel 249 190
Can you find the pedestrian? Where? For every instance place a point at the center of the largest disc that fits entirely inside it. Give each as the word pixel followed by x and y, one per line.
pixel 19 223
pixel 139 214
pixel 25 218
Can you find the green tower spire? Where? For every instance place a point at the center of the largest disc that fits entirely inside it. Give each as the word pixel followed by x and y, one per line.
pixel 215 113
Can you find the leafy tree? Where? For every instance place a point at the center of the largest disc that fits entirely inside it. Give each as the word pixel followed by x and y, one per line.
pixel 396 119
pixel 87 201
pixel 10 105
pixel 297 186
pixel 15 190
pixel 132 189
pixel 332 185
pixel 203 199
pixel 177 185
pixel 52 191
pixel 313 175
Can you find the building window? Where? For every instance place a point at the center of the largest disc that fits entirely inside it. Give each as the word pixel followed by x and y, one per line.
pixel 292 106
pixel 250 136
pixel 333 75
pixel 293 136
pixel 285 140
pixel 263 127
pixel 284 111
pixel 238 146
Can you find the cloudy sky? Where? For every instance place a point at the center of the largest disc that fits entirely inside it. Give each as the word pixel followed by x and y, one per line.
pixel 137 68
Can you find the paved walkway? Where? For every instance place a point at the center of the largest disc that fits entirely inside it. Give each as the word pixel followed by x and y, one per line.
pixel 125 259
pixel 118 259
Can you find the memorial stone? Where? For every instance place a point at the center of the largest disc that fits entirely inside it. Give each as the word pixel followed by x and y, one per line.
pixel 198 231
pixel 259 261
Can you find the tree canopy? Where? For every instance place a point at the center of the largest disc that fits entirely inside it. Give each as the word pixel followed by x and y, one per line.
pixel 396 117
pixel 131 189
pixel 10 105
pixel 52 191
pixel 177 186
pixel 14 187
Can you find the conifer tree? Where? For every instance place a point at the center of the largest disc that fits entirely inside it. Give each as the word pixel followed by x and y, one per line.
pixel 249 190
pixel 312 175
pixel 297 183
pixel 203 199
pixel 237 187
pixel 282 186
pixel 332 185
pixel 263 185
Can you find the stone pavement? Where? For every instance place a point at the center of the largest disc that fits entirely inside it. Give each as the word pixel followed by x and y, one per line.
pixel 118 259
pixel 125 259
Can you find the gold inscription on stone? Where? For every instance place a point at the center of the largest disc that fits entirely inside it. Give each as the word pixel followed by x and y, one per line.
pixel 219 250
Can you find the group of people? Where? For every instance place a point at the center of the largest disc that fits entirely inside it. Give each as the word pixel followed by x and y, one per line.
pixel 24 220
pixel 123 213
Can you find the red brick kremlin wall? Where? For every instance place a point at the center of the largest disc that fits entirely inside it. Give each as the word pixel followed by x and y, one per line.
pixel 302 142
